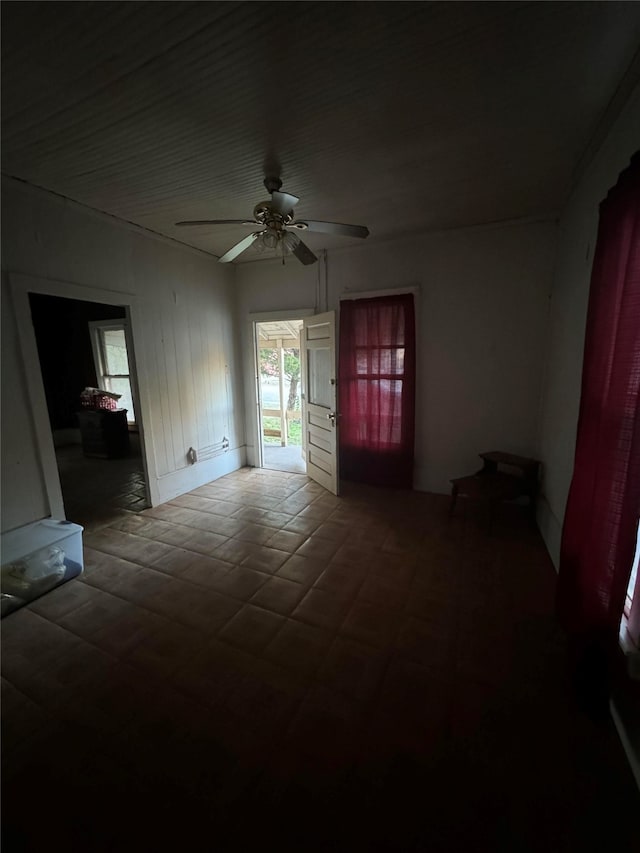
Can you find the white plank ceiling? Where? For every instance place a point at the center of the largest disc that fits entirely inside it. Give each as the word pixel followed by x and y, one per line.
pixel 399 116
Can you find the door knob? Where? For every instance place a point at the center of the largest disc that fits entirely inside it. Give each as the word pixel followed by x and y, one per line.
pixel 332 417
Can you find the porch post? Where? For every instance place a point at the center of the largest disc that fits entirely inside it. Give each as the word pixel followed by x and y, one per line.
pixel 283 412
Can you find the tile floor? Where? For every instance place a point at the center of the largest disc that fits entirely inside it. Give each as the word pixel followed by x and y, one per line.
pixel 97 490
pixel 259 665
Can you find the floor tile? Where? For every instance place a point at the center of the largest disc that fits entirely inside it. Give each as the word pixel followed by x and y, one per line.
pixel 211 671
pixel 251 628
pixel 255 533
pixel 315 511
pixel 207 571
pixel 126 632
pixel 299 647
pixel 354 669
pixel 383 592
pixel 267 559
pixel 170 647
pixel 318 548
pixel 241 582
pixel 22 718
pixel 235 551
pixel 303 570
pixel 265 701
pixel 193 606
pixel 94 560
pixel 306 526
pixel 63 600
pixel 371 624
pixel 396 569
pixel 204 542
pixel 224 526
pixel 136 584
pixel 279 595
pixel 331 530
pixel 379 676
pixel 81 670
pixel 413 691
pixel 426 643
pixel 342 579
pixel 175 562
pixel 328 728
pixel 285 540
pixel 322 608
pixel 277 520
pixel 102 610
pixel 31 643
pixel 136 549
pixel 204 504
pixel 209 522
pixel 248 514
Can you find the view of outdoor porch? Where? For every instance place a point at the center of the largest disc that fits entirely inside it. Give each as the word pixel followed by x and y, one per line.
pixel 280 395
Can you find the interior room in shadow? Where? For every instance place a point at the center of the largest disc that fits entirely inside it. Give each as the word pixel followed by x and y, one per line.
pixel 94 489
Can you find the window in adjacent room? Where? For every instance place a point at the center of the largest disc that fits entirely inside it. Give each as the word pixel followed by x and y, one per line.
pixel 109 341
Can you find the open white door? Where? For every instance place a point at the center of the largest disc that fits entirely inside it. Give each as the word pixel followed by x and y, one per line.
pixel 319 405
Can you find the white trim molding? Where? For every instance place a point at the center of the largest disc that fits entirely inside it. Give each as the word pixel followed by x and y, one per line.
pixel 372 294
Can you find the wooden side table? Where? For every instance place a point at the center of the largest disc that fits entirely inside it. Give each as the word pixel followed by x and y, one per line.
pixel 104 433
pixel 492 484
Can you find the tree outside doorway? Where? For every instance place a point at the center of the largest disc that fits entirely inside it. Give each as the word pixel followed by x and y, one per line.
pixel 269 360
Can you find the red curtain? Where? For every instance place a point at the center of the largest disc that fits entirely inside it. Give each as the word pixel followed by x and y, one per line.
pixel 376 387
pixel 598 539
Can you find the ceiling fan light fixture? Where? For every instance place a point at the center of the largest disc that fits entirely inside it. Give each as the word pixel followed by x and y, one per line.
pixel 289 242
pixel 277 224
pixel 269 239
pixel 281 241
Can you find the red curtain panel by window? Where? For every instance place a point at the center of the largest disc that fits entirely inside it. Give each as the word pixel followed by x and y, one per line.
pixel 376 388
pixel 598 540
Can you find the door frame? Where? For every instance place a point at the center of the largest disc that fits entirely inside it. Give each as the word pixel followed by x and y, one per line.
pixel 254 421
pixel 21 287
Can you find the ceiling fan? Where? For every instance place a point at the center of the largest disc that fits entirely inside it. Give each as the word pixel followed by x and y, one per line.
pixel 279 230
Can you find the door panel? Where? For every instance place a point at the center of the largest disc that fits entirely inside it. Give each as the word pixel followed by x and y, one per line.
pixel 320 429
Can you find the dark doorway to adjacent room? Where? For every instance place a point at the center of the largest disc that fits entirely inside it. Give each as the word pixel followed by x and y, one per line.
pixel 95 490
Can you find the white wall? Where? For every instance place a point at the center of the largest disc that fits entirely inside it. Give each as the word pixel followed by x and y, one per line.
pixel 183 320
pixel 576 244
pixel 481 324
pixel 23 491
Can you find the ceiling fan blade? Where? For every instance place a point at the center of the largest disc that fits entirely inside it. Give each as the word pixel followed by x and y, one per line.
pixel 215 222
pixel 302 252
pixel 236 250
pixel 332 228
pixel 283 202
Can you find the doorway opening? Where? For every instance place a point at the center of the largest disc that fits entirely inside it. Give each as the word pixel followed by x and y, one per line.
pixel 83 344
pixel 279 374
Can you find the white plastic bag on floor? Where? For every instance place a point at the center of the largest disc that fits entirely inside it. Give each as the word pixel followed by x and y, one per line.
pixel 33 575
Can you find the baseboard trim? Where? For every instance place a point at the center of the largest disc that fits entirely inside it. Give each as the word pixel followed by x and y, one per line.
pixel 187 479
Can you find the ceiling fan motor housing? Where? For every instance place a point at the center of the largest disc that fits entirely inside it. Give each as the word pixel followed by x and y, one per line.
pixel 261 211
pixel 272 184
pixel 264 213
